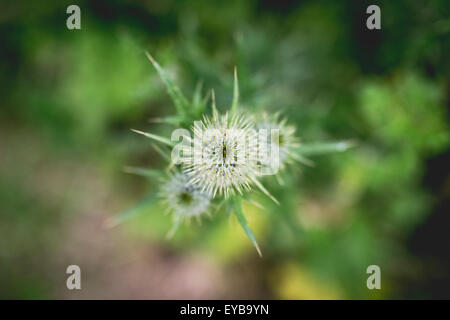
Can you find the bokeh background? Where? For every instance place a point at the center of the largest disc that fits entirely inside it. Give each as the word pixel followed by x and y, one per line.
pixel 69 97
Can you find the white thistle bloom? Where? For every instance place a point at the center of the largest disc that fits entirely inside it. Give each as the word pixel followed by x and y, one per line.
pixel 183 198
pixel 224 158
pixel 286 143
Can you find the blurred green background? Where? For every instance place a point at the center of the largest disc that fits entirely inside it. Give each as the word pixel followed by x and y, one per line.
pixel 69 97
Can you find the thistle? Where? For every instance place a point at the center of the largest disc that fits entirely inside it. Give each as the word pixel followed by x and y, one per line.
pixel 225 159
pixel 183 198
pixel 287 143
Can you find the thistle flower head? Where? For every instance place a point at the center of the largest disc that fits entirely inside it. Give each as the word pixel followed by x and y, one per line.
pixel 286 142
pixel 184 198
pixel 224 157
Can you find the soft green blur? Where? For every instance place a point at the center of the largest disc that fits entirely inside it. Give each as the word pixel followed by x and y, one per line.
pixel 69 99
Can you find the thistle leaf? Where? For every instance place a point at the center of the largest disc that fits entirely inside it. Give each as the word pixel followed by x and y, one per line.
pixel 173 120
pixel 264 190
pixel 205 100
pixel 243 222
pixel 164 153
pixel 324 148
pixel 155 137
pixel 234 106
pixel 301 159
pixel 174 228
pixel 213 105
pixel 196 97
pixel 151 173
pixel 114 221
pixel 180 101
pixel 253 202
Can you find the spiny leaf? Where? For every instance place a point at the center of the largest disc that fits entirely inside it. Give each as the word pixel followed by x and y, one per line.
pixel 301 159
pixel 173 120
pixel 253 202
pixel 324 148
pixel 196 97
pixel 213 105
pixel 114 221
pixel 164 153
pixel 279 179
pixel 234 106
pixel 143 172
pixel 264 190
pixel 205 99
pixel 198 102
pixel 174 228
pixel 247 198
pixel 243 222
pixel 181 103
pixel 155 137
